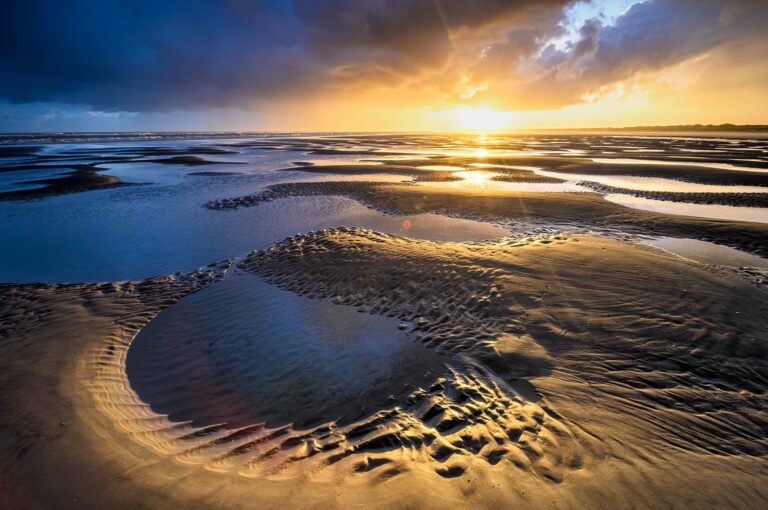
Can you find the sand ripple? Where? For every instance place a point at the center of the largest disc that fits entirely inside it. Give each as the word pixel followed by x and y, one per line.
pixel 572 360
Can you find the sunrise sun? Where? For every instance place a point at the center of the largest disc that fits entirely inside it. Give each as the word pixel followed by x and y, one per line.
pixel 481 119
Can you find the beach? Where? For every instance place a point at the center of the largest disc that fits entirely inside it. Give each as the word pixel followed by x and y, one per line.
pixel 384 321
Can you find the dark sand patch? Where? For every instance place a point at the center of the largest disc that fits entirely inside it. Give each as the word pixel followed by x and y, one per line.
pixel 734 199
pixel 355 152
pixel 507 175
pixel 84 178
pixel 95 157
pixel 437 176
pixel 37 166
pixel 188 161
pixel 15 152
pixel 700 175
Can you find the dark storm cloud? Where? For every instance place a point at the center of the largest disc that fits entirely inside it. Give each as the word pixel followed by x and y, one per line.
pixel 141 55
pixel 148 55
pixel 415 30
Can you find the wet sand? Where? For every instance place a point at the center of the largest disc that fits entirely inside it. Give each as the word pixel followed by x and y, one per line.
pixel 83 178
pixel 82 171
pixel 563 210
pixel 425 173
pixel 736 199
pixel 570 367
pixel 563 363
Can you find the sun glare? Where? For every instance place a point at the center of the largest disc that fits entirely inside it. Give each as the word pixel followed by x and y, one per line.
pixel 480 119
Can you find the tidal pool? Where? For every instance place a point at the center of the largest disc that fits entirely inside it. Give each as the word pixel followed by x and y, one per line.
pixel 708 253
pixel 243 352
pixel 717 212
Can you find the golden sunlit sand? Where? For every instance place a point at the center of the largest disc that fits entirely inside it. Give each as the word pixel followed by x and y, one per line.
pixel 384 255
pixel 571 375
pixel 564 363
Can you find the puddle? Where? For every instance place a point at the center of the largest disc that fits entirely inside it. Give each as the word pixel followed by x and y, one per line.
pixel 708 253
pixel 652 183
pixel 317 161
pixel 717 212
pixel 481 180
pixel 495 165
pixel 708 164
pixel 243 352
pixel 446 168
pixel 301 176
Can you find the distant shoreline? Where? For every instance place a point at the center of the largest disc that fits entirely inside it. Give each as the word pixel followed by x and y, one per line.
pixel 688 130
pixel 684 127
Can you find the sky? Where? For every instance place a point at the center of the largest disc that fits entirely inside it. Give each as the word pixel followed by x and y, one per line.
pixel 380 65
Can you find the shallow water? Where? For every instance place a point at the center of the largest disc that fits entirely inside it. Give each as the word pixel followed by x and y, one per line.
pixel 15 181
pixel 442 168
pixel 725 212
pixel 708 164
pixel 243 352
pixel 300 176
pixel 482 180
pixel 163 227
pixel 69 239
pixel 708 253
pixel 495 165
pixel 335 160
pixel 652 183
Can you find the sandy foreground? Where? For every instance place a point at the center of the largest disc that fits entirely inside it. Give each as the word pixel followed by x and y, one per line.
pixel 584 372
pixel 544 370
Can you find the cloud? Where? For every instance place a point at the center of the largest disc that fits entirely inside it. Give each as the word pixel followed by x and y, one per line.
pixel 148 56
pixel 649 37
pixel 145 55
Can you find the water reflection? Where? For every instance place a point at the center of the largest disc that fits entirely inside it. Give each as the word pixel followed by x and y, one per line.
pixel 726 212
pixel 708 253
pixel 484 181
pixel 652 183
pixel 244 352
pixel 708 164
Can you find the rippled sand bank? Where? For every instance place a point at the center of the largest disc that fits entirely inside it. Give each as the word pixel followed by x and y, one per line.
pixel 578 371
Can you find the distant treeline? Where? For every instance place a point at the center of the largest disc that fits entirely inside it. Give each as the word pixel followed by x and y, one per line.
pixel 696 127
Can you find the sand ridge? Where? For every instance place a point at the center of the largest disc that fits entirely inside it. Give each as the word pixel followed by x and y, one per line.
pixel 553 211
pixel 501 294
pixel 466 410
pixel 735 199
pixel 555 382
